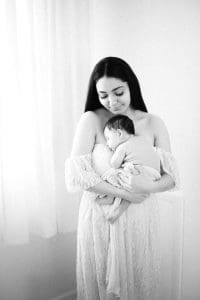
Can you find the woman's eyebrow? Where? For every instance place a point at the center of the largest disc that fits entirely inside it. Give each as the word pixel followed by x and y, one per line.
pixel 113 89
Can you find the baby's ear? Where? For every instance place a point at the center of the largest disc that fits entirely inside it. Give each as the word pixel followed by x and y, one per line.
pixel 119 132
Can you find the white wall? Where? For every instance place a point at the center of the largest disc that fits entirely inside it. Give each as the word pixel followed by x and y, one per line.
pixel 41 270
pixel 160 40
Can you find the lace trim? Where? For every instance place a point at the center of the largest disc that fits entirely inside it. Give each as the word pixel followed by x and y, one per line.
pixel 79 173
pixel 169 166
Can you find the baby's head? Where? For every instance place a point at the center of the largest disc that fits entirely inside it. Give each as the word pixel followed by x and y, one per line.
pixel 117 130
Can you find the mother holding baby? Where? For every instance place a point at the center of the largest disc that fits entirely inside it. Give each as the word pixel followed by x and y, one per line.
pixel 117 260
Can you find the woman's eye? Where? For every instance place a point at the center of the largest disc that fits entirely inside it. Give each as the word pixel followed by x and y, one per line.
pixel 103 97
pixel 119 94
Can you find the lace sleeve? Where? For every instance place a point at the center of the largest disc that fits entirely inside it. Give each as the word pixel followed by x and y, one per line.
pixel 79 173
pixel 169 166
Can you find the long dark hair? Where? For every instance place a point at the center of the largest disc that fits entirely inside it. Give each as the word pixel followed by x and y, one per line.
pixel 117 68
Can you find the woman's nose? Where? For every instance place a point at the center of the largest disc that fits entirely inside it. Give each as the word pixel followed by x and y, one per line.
pixel 112 100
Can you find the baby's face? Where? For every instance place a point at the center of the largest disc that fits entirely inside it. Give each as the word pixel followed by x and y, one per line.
pixel 112 138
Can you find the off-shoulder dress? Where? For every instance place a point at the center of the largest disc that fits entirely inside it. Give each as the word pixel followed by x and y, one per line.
pixel 119 260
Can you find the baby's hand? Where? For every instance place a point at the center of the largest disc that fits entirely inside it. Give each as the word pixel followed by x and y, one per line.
pixel 114 216
pixel 105 200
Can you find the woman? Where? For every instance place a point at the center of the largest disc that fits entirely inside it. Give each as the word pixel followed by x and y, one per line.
pixel 114 89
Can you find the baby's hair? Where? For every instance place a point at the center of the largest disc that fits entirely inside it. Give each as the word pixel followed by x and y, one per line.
pixel 121 122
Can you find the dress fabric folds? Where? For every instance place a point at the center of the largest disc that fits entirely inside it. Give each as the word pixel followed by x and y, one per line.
pixel 119 260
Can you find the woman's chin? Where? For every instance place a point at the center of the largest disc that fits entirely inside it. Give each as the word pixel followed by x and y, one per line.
pixel 119 110
pixel 116 109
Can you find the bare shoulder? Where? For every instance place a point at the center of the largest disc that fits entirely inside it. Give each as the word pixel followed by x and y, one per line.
pixel 89 117
pixel 90 120
pixel 156 122
pixel 85 134
pixel 160 131
pixel 95 116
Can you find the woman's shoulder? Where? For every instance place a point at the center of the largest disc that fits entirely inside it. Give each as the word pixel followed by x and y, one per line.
pixel 95 119
pixel 155 121
pixel 88 115
pixel 88 118
pixel 160 131
pixel 156 124
pixel 94 115
pixel 151 119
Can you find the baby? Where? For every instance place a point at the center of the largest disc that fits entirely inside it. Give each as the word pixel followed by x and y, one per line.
pixel 132 154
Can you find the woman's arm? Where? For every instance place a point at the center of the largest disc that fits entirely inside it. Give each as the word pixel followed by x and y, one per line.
pixel 110 190
pixel 84 139
pixel 83 143
pixel 141 184
pixel 162 141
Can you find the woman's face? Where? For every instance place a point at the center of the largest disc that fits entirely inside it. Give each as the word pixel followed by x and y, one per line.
pixel 114 94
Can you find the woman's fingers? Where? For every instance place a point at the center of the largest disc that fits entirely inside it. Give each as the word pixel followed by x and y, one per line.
pixel 140 197
pixel 114 216
pixel 124 182
pixel 136 183
pixel 105 200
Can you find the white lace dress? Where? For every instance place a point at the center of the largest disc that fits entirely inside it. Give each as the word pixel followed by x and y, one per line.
pixel 122 263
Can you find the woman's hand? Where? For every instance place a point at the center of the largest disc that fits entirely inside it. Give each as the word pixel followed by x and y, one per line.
pixel 137 184
pixel 135 197
pixel 105 200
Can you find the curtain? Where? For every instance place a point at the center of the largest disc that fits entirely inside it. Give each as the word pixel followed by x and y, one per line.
pixel 44 62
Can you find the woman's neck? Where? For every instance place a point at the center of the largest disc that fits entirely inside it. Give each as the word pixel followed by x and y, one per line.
pixel 133 114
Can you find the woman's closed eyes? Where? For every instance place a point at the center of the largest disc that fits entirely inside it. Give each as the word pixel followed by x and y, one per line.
pixel 116 94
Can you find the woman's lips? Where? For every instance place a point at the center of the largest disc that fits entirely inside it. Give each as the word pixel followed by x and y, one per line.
pixel 115 108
